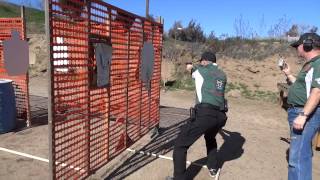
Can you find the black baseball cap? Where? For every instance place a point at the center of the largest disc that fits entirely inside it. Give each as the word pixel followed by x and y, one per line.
pixel 313 36
pixel 209 56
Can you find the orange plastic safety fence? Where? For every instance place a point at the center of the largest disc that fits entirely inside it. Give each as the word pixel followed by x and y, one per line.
pixel 92 125
pixel 21 82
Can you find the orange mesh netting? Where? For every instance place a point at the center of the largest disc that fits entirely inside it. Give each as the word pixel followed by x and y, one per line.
pixel 91 125
pixel 21 82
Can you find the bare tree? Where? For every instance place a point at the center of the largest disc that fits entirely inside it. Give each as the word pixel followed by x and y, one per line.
pixel 173 31
pixel 279 29
pixel 303 28
pixel 262 25
pixel 224 36
pixel 26 3
pixel 40 4
pixel 242 27
pixel 314 29
pixel 211 37
pixel 194 32
pixel 293 31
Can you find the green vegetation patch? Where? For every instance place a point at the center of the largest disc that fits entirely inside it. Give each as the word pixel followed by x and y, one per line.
pixel 35 18
pixel 250 94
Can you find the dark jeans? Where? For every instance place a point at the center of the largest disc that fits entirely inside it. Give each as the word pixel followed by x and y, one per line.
pixel 208 122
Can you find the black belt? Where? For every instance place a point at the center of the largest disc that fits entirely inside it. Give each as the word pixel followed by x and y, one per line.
pixel 207 105
pixel 298 106
pixel 295 106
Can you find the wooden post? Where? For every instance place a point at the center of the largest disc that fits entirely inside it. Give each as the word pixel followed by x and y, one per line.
pixel 50 91
pixel 22 9
pixel 24 37
pixel 147 8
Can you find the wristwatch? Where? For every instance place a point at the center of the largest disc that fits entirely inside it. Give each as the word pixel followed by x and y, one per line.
pixel 303 114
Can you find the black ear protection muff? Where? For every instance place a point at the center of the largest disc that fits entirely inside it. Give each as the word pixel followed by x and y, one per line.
pixel 308 45
pixel 316 44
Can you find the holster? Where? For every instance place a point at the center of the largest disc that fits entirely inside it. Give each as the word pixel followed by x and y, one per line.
pixel 226 106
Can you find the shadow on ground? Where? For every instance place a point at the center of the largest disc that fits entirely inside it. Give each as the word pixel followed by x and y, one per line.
pixel 232 148
pixel 161 144
pixel 39 113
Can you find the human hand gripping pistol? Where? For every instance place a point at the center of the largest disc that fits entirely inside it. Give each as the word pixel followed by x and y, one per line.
pixel 282 63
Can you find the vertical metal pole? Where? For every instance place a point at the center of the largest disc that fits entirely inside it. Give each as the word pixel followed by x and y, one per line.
pixel 24 37
pixel 147 8
pixel 160 53
pixel 88 124
pixel 141 85
pixel 127 90
pixel 150 83
pixel 109 88
pixel 50 93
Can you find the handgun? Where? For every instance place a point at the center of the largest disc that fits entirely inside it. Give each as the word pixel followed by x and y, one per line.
pixel 282 63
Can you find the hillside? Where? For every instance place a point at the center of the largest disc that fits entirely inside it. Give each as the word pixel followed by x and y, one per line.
pixel 35 18
pixel 251 65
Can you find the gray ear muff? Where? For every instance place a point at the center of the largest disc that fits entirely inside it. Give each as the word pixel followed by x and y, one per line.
pixel 316 44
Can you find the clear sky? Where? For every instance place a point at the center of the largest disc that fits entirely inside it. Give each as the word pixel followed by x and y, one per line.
pixel 219 15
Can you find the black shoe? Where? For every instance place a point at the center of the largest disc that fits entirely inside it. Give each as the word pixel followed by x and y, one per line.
pixel 169 178
pixel 214 173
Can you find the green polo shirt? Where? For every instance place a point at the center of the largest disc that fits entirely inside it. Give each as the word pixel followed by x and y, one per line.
pixel 308 78
pixel 210 84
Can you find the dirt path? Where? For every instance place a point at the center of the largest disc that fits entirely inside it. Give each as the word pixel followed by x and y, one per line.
pixel 250 144
pixel 251 147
